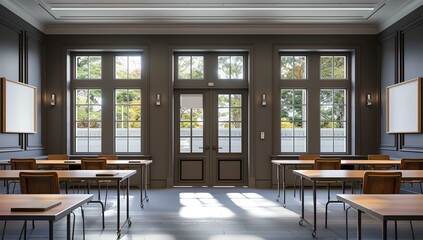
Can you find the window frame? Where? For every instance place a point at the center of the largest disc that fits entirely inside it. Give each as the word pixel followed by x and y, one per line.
pixel 108 84
pixel 313 84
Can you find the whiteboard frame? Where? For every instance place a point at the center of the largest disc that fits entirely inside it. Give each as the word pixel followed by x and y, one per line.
pixel 21 110
pixel 416 107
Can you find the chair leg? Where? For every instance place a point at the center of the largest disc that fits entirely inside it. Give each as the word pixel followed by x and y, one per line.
pixel 102 210
pixel 412 230
pixel 99 192
pixel 23 231
pixel 4 230
pixel 105 198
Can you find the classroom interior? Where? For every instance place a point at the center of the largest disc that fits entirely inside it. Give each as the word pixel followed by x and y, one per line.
pixel 211 100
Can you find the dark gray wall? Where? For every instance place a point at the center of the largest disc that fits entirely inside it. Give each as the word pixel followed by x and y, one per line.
pixel 400 57
pixel 263 80
pixel 22 59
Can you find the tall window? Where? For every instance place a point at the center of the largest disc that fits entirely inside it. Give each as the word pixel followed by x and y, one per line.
pixel 320 97
pixel 115 127
pixel 293 120
pixel 88 120
pixel 128 120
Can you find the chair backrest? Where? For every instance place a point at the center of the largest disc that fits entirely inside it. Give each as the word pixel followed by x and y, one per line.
pixel 57 157
pixel 23 164
pixel 378 157
pixel 39 182
pixel 108 156
pixel 327 164
pixel 382 182
pixel 308 156
pixel 94 164
pixel 411 164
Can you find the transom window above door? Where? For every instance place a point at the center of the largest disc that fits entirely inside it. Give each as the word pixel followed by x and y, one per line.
pixel 216 69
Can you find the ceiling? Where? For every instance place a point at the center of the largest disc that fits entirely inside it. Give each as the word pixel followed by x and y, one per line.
pixel 211 16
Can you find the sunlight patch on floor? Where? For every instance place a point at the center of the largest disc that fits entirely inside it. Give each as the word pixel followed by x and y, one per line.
pixel 202 205
pixel 235 237
pixel 258 206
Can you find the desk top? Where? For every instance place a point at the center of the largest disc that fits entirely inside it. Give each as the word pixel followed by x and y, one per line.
pixel 357 175
pixel 78 162
pixel 73 174
pixel 68 204
pixel 343 162
pixel 387 206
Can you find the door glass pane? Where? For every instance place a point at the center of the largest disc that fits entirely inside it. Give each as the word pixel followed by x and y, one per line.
pixel 229 123
pixel 236 145
pixel 223 145
pixel 191 131
pixel 197 144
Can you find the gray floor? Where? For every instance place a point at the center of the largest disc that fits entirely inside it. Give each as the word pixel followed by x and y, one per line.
pixel 217 213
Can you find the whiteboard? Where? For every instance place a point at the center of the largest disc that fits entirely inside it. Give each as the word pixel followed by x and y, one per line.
pixel 404 107
pixel 19 107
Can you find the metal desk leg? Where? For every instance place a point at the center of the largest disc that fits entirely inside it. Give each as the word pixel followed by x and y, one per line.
pixel 384 230
pixel 144 183
pixel 118 230
pixel 128 219
pixel 68 227
pixel 314 208
pixel 50 230
pixel 358 224
pixel 302 202
pixel 278 182
pixel 283 186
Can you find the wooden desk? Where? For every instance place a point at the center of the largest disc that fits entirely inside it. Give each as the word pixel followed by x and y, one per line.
pixel 142 164
pixel 283 163
pixel 385 207
pixel 68 204
pixel 341 175
pixel 78 175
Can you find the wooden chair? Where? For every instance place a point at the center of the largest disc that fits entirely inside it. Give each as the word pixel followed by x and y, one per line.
pixel 379 157
pixel 42 183
pixel 380 183
pixel 108 156
pixel 21 164
pixel 328 164
pixel 58 157
pixel 96 164
pixel 303 157
pixel 412 164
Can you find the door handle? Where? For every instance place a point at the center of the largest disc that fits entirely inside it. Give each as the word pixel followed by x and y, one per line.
pixel 205 148
pixel 215 148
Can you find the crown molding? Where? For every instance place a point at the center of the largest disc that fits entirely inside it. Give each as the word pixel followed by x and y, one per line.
pixel 302 29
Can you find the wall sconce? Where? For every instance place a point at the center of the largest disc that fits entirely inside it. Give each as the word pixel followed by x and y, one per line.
pixel 53 99
pixel 369 99
pixel 158 99
pixel 263 99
